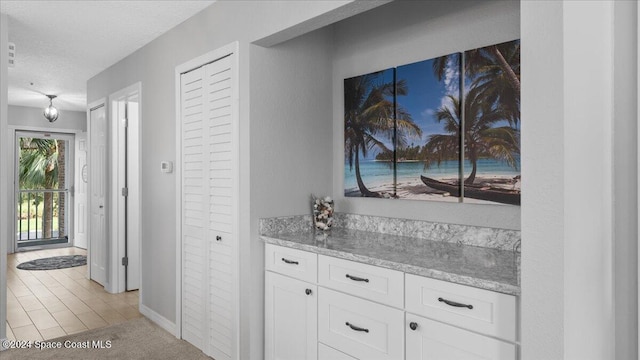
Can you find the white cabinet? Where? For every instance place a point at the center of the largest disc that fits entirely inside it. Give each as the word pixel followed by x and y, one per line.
pixel 291 310
pixel 321 307
pixel 431 340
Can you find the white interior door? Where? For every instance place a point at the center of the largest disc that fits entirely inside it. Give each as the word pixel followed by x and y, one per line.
pixel 80 191
pixel 133 198
pixel 125 189
pixel 97 186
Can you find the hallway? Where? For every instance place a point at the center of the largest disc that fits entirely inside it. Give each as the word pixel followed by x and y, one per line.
pixel 47 304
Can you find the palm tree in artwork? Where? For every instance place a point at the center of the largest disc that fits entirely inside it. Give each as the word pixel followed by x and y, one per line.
pixel 483 139
pixel 495 71
pixel 38 169
pixel 369 116
pixel 442 147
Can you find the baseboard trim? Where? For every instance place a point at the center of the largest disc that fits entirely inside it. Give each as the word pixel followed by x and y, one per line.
pixel 158 319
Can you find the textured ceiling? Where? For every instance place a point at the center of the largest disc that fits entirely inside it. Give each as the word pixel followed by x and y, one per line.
pixel 62 44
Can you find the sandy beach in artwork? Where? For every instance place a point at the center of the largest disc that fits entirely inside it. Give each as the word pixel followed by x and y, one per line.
pixel 410 189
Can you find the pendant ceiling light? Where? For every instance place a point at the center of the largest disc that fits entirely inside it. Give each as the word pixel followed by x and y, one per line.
pixel 50 112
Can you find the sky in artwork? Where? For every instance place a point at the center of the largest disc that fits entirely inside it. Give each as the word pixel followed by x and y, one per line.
pixel 427 94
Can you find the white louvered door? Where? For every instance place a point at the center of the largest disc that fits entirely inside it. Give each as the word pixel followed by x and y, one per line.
pixel 220 144
pixel 193 209
pixel 209 198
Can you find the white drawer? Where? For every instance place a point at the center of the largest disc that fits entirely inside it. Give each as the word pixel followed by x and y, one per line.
pixel 429 339
pixel 367 281
pixel 299 264
pixel 475 309
pixel 360 328
pixel 329 353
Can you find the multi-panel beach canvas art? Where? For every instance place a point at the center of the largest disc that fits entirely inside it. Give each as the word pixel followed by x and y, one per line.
pixel 492 124
pixel 369 129
pixel 432 100
pixel 421 131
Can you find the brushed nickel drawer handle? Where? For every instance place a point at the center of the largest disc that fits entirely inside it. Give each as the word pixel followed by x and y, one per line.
pixel 355 278
pixel 356 328
pixel 290 261
pixel 455 304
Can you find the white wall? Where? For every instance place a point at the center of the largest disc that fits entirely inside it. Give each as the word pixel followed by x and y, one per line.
pixel 579 281
pixel 542 106
pixel 4 186
pixel 588 126
pixel 30 117
pixel 405 32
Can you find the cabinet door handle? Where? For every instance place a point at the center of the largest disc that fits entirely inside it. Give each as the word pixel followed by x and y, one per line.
pixel 413 325
pixel 290 261
pixel 356 328
pixel 455 304
pixel 308 291
pixel 218 238
pixel 355 278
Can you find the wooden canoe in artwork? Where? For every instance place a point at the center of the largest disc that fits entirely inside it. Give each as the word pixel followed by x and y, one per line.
pixel 502 196
pixel 453 190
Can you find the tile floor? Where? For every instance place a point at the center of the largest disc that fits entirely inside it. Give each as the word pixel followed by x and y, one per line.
pixel 46 304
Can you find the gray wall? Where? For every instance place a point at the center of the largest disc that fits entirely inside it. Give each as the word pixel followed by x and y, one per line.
pixel 29 117
pixel 290 137
pixel 550 262
pixel 154 65
pixel 405 32
pixel 625 181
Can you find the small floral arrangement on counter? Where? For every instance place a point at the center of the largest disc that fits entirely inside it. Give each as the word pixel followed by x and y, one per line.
pixel 322 212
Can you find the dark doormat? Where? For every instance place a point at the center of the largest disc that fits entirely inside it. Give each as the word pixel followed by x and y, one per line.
pixel 52 263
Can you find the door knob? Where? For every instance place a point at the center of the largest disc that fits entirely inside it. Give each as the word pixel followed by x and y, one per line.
pixel 413 325
pixel 308 291
pixel 218 238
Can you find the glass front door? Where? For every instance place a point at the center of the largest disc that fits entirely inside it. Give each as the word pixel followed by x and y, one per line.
pixel 43 168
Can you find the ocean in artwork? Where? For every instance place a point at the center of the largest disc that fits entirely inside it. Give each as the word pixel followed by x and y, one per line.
pixel 375 175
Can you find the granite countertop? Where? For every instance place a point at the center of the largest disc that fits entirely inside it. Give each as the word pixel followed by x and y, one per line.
pixel 480 267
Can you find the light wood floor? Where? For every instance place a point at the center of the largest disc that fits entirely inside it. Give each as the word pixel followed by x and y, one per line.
pixel 46 304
